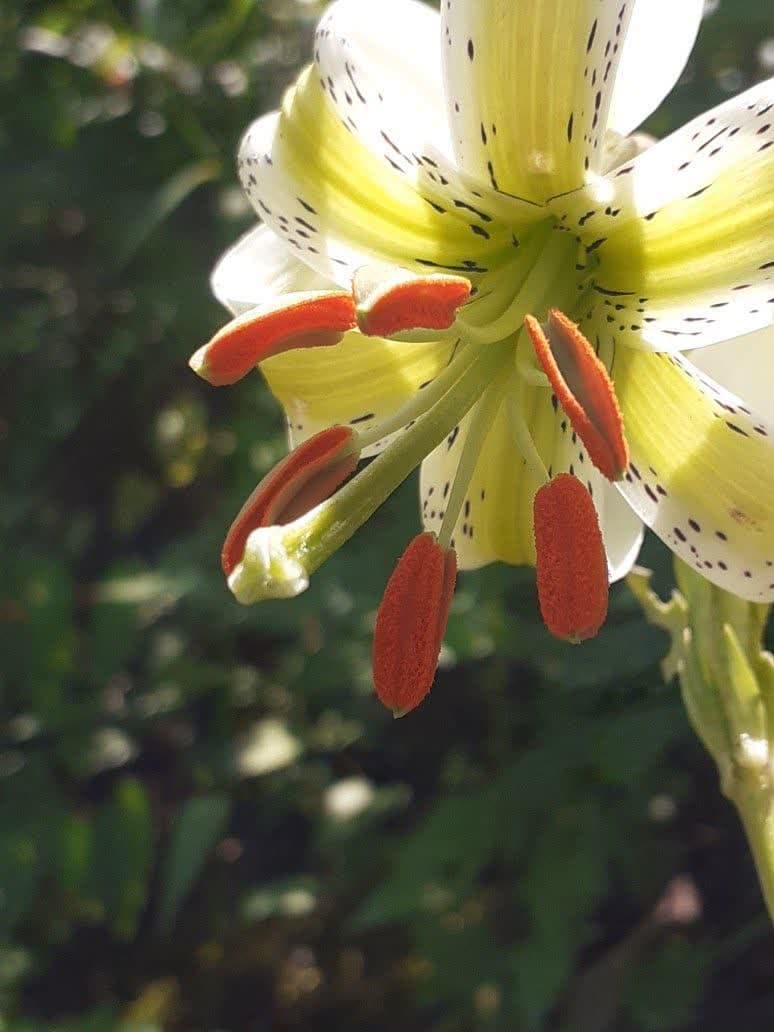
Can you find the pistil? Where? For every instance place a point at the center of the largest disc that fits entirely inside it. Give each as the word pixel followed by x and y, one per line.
pixel 310 540
pixel 304 478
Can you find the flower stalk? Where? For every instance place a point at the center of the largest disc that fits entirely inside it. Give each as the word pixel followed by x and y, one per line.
pixel 727 682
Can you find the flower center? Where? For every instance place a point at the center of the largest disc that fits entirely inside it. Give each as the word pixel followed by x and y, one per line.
pixel 501 355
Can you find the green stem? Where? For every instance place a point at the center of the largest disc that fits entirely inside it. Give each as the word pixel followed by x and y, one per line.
pixel 752 795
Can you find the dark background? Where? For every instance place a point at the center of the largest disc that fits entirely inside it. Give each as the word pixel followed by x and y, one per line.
pixel 206 820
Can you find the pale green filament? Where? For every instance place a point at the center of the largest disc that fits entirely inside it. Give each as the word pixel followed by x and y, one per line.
pixel 521 434
pixel 316 536
pixel 547 270
pixel 480 425
pixel 423 399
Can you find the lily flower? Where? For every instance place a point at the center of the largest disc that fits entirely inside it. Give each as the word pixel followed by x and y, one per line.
pixel 468 260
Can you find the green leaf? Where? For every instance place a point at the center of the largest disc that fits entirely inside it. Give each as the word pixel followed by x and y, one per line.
pixel 123 851
pixel 441 858
pixel 166 200
pixel 197 827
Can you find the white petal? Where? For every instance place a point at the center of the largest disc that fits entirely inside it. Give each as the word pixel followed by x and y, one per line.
pixel 361 381
pixel 622 529
pixel 684 234
pixel 660 38
pixel 702 470
pixel 528 87
pixel 380 65
pixel 258 267
pixel 744 366
pixel 339 206
pixel 622 532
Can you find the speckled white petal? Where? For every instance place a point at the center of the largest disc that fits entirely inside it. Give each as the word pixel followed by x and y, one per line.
pixel 684 233
pixel 380 65
pixel 702 470
pixel 622 530
pixel 529 86
pixel 659 41
pixel 488 528
pixel 258 267
pixel 339 206
pixel 744 366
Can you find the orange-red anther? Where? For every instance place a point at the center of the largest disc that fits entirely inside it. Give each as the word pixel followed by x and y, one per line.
pixel 303 479
pixel 297 321
pixel 584 389
pixel 390 303
pixel 572 579
pixel 411 623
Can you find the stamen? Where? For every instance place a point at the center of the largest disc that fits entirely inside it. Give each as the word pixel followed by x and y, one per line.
pixel 526 363
pixel 275 557
pixel 522 437
pixel 584 389
pixel 572 579
pixel 411 623
pixel 303 479
pixel 480 425
pixel 303 320
pixel 392 301
pixel 545 262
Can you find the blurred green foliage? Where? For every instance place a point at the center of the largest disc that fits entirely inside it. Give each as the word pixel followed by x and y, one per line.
pixel 206 821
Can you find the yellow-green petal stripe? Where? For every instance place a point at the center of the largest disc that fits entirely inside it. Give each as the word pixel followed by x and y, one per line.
pixel 684 234
pixel 529 86
pixel 339 206
pixel 359 381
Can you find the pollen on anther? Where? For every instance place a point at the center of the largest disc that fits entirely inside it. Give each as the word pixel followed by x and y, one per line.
pixel 299 321
pixel 572 577
pixel 396 302
pixel 411 623
pixel 584 389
